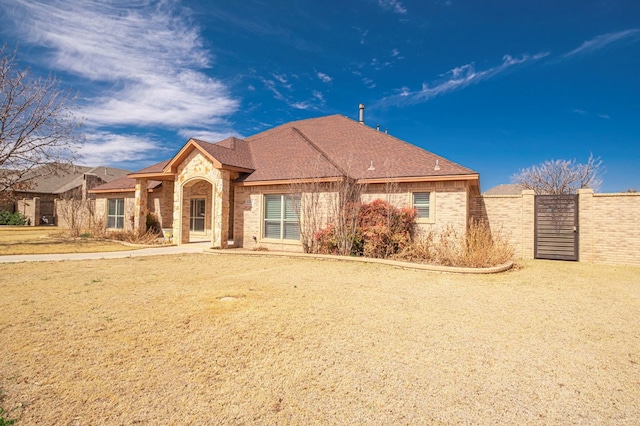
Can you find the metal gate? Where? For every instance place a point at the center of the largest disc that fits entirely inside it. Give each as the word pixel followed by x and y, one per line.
pixel 556 227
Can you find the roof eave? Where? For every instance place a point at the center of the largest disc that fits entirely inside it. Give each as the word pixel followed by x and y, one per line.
pixel 154 176
pixel 288 181
pixel 407 179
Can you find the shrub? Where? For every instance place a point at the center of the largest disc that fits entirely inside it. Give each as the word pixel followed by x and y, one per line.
pixel 153 224
pixel 16 218
pixel 477 247
pixel 384 229
pixel 381 231
pixel 133 237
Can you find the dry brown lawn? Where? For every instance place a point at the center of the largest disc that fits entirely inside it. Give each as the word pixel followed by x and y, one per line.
pixel 216 339
pixel 48 240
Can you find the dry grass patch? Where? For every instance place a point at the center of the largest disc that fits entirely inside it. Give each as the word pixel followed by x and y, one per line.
pixel 203 339
pixel 17 240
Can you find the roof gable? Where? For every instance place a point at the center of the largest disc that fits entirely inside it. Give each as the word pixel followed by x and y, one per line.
pixel 231 153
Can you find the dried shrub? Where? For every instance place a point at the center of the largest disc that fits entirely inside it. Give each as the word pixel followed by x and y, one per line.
pixel 421 249
pixel 133 237
pixel 477 248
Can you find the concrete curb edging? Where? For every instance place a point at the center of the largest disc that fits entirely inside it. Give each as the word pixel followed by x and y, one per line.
pixel 396 263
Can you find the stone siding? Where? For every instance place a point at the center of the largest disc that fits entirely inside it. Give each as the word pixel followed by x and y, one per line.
pixel 195 176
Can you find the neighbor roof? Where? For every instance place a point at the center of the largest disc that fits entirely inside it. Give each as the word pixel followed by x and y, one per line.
pixel 67 177
pixel 505 189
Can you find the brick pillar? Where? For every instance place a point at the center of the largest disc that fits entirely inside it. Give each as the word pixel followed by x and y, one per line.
pixel 585 223
pixel 140 209
pixel 528 223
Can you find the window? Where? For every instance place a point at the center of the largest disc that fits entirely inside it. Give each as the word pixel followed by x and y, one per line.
pixel 115 213
pixel 196 215
pixel 280 219
pixel 421 201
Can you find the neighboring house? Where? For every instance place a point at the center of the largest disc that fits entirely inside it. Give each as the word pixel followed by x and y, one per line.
pixel 505 189
pixel 239 192
pixel 47 184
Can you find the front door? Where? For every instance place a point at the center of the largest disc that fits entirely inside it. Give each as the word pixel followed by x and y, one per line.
pixel 197 215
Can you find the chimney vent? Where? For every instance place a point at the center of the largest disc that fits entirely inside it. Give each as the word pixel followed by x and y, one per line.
pixel 378 127
pixel 361 113
pixel 386 131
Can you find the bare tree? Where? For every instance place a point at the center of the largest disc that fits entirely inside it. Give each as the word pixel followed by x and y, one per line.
pixel 343 211
pixel 38 130
pixel 561 176
pixel 307 203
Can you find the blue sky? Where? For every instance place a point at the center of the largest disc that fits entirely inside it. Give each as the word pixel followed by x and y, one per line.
pixel 493 85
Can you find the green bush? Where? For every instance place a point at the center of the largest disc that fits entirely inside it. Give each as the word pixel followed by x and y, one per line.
pixel 16 218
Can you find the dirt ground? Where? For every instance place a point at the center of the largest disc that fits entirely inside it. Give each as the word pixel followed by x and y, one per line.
pixel 215 339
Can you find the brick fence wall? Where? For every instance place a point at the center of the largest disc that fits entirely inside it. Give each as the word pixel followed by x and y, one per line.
pixel 609 228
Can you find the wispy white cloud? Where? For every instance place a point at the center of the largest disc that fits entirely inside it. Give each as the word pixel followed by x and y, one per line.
pixel 324 77
pixel 206 135
pixel 369 83
pixel 456 79
pixel 363 34
pixel 601 42
pixel 395 6
pixel 587 113
pixel 109 148
pixel 147 54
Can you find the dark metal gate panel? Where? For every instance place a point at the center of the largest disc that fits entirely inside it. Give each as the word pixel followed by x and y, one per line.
pixel 556 227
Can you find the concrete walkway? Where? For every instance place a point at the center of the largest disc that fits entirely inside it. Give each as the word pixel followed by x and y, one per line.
pixel 150 251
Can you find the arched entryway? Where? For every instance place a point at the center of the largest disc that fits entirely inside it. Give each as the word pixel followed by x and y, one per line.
pixel 198 207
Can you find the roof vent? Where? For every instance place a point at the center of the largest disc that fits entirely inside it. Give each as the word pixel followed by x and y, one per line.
pixel 437 166
pixel 378 127
pixel 361 113
pixel 386 131
pixel 371 167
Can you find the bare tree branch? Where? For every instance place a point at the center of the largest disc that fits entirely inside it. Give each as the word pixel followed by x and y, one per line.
pixel 561 176
pixel 37 125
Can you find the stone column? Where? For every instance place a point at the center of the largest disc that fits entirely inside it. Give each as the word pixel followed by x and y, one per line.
pixel 140 210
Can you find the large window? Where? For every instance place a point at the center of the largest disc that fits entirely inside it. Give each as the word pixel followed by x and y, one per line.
pixel 421 202
pixel 115 213
pixel 280 218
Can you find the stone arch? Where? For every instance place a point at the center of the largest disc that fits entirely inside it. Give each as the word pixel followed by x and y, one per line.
pixel 197 188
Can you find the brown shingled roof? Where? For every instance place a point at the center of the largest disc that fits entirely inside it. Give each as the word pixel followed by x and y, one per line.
pixel 340 143
pixel 324 147
pixel 229 152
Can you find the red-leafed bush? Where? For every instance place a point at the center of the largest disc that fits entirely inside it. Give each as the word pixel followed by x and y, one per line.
pixel 382 231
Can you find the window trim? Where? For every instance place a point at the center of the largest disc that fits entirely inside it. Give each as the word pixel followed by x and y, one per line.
pixel 431 205
pixel 282 221
pixel 115 216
